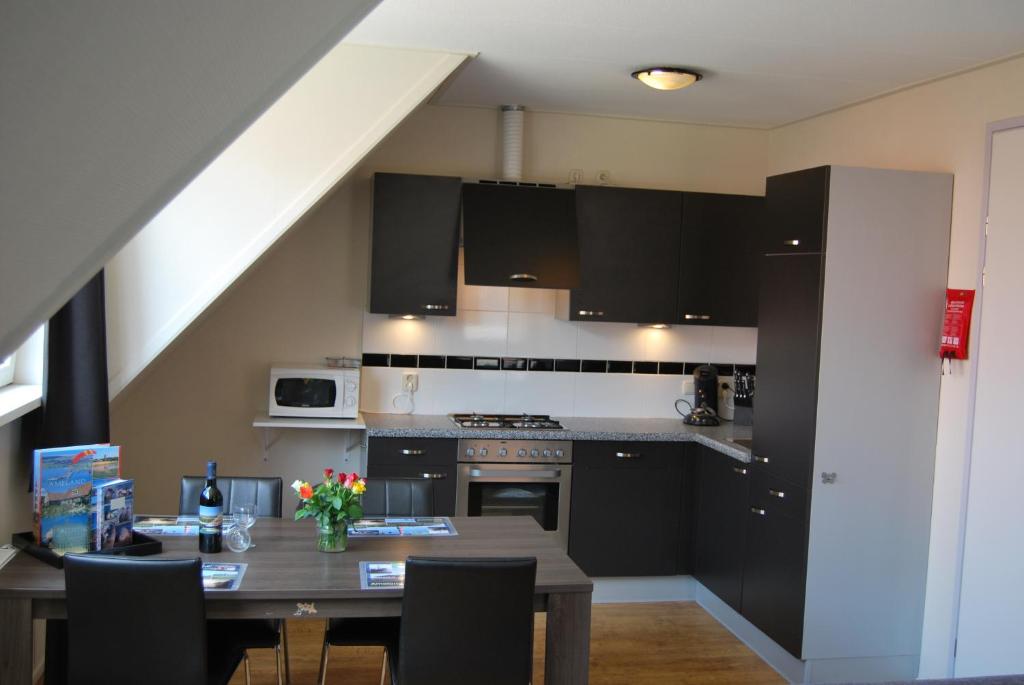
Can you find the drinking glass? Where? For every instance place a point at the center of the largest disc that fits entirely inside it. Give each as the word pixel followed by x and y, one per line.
pixel 245 514
pixel 237 537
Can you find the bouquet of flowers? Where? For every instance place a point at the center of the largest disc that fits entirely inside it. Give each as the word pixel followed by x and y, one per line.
pixel 333 503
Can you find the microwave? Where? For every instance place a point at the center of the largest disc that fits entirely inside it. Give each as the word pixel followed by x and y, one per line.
pixel 314 392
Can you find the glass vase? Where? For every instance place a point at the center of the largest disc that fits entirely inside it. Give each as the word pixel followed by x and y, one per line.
pixel 332 537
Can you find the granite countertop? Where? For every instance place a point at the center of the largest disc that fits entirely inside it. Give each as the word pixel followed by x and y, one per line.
pixel 578 428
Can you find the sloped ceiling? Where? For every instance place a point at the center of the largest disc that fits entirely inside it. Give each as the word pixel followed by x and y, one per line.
pixel 107 110
pixel 263 183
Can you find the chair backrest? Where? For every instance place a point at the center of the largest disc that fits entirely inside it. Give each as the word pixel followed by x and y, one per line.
pixel 467 621
pixel 133 620
pixel 399 497
pixel 265 493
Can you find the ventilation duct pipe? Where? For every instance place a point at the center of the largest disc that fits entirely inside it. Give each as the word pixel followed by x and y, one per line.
pixel 512 142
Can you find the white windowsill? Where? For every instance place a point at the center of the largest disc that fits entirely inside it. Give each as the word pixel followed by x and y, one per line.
pixel 17 400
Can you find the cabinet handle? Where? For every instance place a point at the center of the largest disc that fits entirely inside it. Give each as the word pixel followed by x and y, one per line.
pixel 793 243
pixel 760 460
pixel 697 317
pixel 628 455
pixel 591 312
pixel 523 278
pixel 776 493
pixel 412 453
pixel 434 476
pixel 436 307
pixel 758 511
pixel 741 471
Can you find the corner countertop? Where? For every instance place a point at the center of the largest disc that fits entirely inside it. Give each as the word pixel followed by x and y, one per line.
pixel 718 438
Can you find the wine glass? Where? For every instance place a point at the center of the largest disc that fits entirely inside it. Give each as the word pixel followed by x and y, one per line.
pixel 245 514
pixel 237 537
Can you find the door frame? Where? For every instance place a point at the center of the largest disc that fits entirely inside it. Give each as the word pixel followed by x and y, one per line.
pixel 990 130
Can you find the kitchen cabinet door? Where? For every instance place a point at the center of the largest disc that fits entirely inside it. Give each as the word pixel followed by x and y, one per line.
pixel 520 236
pixel 430 458
pixel 723 488
pixel 719 249
pixel 796 211
pixel 414 265
pixel 775 569
pixel 629 255
pixel 625 508
pixel 788 343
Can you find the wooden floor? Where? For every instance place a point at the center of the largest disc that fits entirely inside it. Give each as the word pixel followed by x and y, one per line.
pixel 670 642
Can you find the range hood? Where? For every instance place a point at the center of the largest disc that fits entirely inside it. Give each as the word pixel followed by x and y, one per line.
pixel 518 234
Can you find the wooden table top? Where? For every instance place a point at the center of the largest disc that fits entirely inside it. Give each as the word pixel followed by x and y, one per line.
pixel 284 563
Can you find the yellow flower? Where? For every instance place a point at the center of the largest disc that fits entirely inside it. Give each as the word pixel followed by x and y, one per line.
pixel 359 487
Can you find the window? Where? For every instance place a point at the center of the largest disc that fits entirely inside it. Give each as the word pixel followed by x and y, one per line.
pixel 7 371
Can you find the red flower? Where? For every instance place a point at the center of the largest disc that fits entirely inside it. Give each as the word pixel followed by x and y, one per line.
pixel 352 477
pixel 342 477
pixel 305 491
pixel 328 473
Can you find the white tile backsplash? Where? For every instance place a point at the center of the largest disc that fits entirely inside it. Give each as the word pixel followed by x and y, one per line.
pixel 521 322
pixel 541 335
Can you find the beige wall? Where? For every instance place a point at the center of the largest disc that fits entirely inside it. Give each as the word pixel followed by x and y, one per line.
pixel 305 298
pixel 935 127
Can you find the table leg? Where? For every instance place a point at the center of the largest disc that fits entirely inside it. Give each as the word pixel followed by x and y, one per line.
pixel 567 648
pixel 16 641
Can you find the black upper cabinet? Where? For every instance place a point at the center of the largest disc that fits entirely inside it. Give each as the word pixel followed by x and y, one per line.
pixel 796 210
pixel 520 236
pixel 414 267
pixel 720 246
pixel 625 508
pixel 629 255
pixel 788 335
pixel 723 485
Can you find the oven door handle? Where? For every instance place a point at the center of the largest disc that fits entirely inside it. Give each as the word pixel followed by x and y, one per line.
pixel 477 473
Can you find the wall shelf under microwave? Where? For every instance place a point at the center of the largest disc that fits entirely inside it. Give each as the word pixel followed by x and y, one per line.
pixel 271 423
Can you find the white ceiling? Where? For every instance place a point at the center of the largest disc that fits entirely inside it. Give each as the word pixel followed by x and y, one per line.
pixel 767 62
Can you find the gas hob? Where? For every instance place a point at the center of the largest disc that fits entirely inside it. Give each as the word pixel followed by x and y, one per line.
pixel 510 421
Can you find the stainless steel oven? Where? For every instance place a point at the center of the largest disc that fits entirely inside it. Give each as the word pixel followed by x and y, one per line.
pixel 517 478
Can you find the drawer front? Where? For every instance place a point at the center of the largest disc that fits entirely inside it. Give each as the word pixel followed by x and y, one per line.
pixel 408 451
pixel 628 454
pixel 777 496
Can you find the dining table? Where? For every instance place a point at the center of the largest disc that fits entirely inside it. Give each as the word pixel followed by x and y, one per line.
pixel 286 577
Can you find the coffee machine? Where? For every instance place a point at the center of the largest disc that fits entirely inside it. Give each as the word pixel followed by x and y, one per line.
pixel 705 397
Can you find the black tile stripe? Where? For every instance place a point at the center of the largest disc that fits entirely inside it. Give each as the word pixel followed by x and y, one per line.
pixel 437 361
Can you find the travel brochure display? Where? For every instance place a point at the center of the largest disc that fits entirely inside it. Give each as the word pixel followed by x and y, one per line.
pixel 64 505
pixel 381 575
pixel 418 526
pixel 217 576
pixel 177 526
pixel 112 507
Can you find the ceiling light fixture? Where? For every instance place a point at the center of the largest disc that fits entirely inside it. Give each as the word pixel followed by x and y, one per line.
pixel 667 78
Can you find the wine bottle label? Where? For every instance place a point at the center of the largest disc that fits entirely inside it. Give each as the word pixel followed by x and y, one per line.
pixel 211 519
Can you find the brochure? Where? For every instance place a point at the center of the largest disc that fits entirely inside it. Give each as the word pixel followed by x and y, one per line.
pixel 381 575
pixel 112 511
pixel 149 524
pixel 420 526
pixel 226 577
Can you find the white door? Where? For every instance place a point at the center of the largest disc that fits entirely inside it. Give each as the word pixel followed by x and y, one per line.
pixel 990 635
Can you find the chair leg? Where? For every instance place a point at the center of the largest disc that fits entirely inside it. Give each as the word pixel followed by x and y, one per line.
pixel 322 677
pixel 245 663
pixel 284 650
pixel 384 666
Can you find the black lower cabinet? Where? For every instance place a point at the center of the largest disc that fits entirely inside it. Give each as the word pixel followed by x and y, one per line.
pixel 775 572
pixel 417 458
pixel 626 507
pixel 722 506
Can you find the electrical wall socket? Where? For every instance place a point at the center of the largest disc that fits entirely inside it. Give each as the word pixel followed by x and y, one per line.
pixel 604 177
pixel 410 381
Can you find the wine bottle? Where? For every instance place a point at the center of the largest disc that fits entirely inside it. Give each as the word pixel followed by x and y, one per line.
pixel 211 512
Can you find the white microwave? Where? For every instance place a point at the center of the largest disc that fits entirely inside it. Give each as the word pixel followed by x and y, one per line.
pixel 314 392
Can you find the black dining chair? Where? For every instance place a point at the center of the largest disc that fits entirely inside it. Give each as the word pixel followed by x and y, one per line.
pixel 466 621
pixel 123 630
pixel 265 495
pixel 384 497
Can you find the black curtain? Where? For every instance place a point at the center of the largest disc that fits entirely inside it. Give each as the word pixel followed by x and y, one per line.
pixel 75 407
